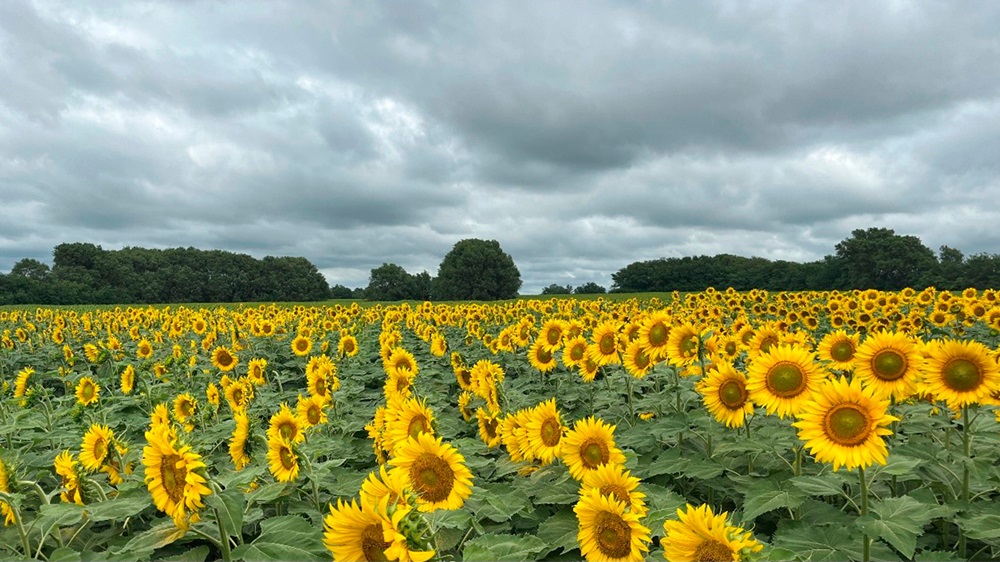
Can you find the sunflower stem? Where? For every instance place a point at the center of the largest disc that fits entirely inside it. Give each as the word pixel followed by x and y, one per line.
pixel 966 452
pixel 223 538
pixel 631 407
pixel 866 545
pixel 20 524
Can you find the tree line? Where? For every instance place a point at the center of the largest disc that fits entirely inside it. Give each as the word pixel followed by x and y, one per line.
pixel 83 273
pixel 876 258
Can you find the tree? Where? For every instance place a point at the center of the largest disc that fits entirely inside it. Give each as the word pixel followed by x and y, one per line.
pixel 878 258
pixel 477 270
pixel 390 282
pixel 590 288
pixel 555 289
pixel 951 269
pixel 30 268
pixel 341 292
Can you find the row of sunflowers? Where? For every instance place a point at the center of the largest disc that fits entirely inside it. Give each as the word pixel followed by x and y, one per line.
pixel 713 426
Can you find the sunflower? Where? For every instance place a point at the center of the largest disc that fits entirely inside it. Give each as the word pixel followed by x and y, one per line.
pixel 608 531
pixel 724 391
pixel 436 472
pixel 654 334
pixel 839 348
pixel 311 411
pixel 606 344
pixel 65 466
pixel 363 533
pixel 87 391
pixel 401 360
pixel 588 445
pixel 763 338
pixel 347 346
pixel 682 345
pixel 282 460
pixel 551 333
pixel 574 351
pixel 184 407
pixel 160 416
pixel 439 345
pixel 614 481
pixel 889 362
pixel 700 534
pixel 92 352
pixel 844 424
pixel 782 379
pixel 95 445
pixel 544 431
pixel 406 419
pixel 174 477
pixel 212 395
pixel 540 356
pixel 463 406
pixel 239 393
pixel 240 441
pixel 637 362
pixel 589 366
pixel 301 345
pixel 144 349
pixel 5 510
pixel 514 437
pixel 961 373
pixel 489 428
pixel 223 359
pixel 285 425
pixel 318 382
pixel 255 371
pixel 387 485
pixel 128 380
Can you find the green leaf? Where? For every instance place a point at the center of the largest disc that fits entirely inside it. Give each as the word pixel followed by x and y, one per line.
pixel 769 494
pixel 198 554
pixel 829 484
pixel 270 492
pixel 559 532
pixel 498 503
pixel 502 547
pixel 900 465
pixel 229 509
pixel 156 537
pixel 900 521
pixel 121 507
pixel 63 554
pixel 288 537
pixel 983 527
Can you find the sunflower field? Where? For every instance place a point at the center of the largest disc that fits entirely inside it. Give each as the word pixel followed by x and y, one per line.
pixel 858 425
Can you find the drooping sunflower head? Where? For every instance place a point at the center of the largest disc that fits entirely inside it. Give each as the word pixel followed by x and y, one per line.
pixel 128 380
pixel 285 425
pixel 282 460
pixel 436 472
pixel 87 391
pixel 609 532
pixel 700 534
pixel 489 428
pixel 589 445
pixel 174 477
pixel 845 424
pixel 724 392
pixel 961 372
pixel 240 442
pixel 782 379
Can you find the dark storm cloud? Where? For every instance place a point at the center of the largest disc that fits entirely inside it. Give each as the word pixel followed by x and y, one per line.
pixel 581 136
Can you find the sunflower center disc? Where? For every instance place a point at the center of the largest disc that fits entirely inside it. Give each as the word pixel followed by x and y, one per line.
pixel 842 351
pixel 417 426
pixel 100 449
pixel 712 551
pixel 689 346
pixel 613 535
pixel 552 337
pixel 594 454
pixel 313 415
pixel 889 365
pixel 173 477
pixel 88 391
pixel 732 394
pixel 433 477
pixel 491 428
pixel 607 344
pixel 373 544
pixel 576 353
pixel 551 432
pixel 617 491
pixel 962 375
pixel 786 380
pixel 544 356
pixel 847 425
pixel 658 334
pixel 286 430
pixel 766 343
pixel 285 455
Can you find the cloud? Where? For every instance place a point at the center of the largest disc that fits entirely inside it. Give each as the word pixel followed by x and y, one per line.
pixel 581 137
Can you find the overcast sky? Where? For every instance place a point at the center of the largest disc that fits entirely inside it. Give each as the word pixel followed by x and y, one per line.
pixel 583 136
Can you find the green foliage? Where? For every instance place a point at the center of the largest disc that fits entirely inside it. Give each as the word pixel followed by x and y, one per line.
pixel 590 288
pixel 390 282
pixel 555 289
pixel 878 258
pixel 477 270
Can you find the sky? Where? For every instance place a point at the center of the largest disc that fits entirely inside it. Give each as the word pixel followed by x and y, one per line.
pixel 581 135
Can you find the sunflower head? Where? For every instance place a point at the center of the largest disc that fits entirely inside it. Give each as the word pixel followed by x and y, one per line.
pixel 608 531
pixel 700 534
